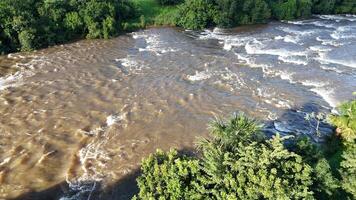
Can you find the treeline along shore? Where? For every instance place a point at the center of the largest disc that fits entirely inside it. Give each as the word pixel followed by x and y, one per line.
pixel 27 25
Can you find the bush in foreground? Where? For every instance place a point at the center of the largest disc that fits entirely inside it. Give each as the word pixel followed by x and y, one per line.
pixel 239 162
pixel 346 123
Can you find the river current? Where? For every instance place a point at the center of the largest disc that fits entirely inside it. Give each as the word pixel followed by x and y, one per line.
pixel 86 113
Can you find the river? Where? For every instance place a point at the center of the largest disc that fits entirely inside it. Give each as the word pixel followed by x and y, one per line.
pixel 88 112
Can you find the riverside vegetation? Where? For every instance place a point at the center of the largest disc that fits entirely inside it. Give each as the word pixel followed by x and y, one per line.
pixel 239 162
pixel 31 24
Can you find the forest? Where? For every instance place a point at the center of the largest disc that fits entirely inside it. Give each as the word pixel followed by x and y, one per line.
pixel 26 25
pixel 32 24
pixel 198 14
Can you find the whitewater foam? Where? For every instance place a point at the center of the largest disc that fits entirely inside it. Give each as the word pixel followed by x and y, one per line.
pixel 228 41
pixel 113 119
pixel 324 58
pixel 93 158
pixel 293 60
pixel 311 83
pixel 320 48
pixel 269 97
pixel 290 30
pixel 14 80
pixel 257 47
pixel 154 43
pixel 131 65
pixel 327 94
pixel 199 76
pixel 338 18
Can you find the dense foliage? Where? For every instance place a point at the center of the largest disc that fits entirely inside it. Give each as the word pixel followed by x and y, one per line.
pixel 169 176
pixel 239 162
pixel 346 123
pixel 231 13
pixel 345 7
pixel 31 24
pixel 228 13
pixel 290 9
pixel 169 2
pixel 323 6
pixel 196 14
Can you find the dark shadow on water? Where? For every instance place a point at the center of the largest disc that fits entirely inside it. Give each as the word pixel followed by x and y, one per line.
pixel 52 193
pixel 294 122
pixel 124 189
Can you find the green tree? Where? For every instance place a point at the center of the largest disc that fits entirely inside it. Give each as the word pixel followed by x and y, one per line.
pixel 304 9
pixel 30 24
pixel 346 121
pixel 323 6
pixel 196 14
pixel 325 184
pixel 236 12
pixel 348 169
pixel 236 162
pixel 74 22
pixel 346 7
pixel 239 163
pixel 346 128
pixel 284 10
pixel 27 39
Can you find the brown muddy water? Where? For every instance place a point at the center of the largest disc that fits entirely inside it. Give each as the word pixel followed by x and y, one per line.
pixel 86 113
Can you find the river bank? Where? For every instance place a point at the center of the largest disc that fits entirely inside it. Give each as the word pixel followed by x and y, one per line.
pixel 27 26
pixel 88 112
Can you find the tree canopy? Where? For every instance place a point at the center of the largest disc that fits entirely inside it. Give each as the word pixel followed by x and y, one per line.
pixel 32 24
pixel 228 13
pixel 239 162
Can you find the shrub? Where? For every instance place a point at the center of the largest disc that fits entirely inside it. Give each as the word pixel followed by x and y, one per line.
pixel 348 169
pixel 346 127
pixel 74 22
pixel 346 121
pixel 26 38
pixel 325 185
pixel 169 176
pixel 142 21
